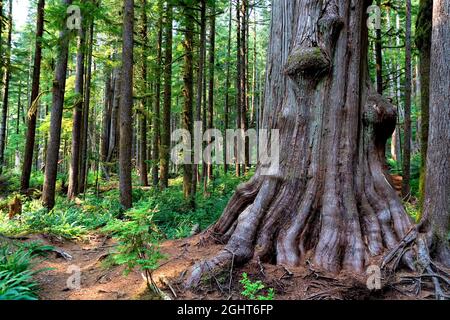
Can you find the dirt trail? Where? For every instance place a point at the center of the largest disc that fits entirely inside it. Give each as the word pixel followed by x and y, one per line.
pixel 97 281
pixel 100 282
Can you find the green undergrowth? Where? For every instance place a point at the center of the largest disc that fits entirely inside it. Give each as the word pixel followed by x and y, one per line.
pixel 17 263
pixel 171 213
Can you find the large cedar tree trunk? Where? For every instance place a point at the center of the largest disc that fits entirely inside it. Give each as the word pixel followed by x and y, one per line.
pixel 330 201
pixel 436 212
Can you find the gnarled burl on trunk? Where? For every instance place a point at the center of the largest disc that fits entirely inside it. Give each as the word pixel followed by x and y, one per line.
pixel 330 200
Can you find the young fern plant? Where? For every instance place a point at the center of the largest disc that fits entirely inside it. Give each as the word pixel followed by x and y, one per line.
pixel 138 242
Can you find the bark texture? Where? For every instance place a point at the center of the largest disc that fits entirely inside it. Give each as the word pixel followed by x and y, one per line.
pixel 143 172
pixel 188 93
pixel 59 85
pixel 330 202
pixel 126 105
pixel 165 134
pixel 436 213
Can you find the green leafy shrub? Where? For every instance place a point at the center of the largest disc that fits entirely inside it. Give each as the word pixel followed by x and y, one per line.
pixel 254 290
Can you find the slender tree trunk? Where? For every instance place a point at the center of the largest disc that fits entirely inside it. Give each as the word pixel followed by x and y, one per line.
pixel 406 188
pixel 77 119
pixel 6 81
pixel 423 42
pixel 212 65
pixel 157 106
pixel 126 106
pixel 114 135
pixel 227 86
pixel 329 201
pixel 238 83
pixel 33 114
pixel 188 93
pixel 165 135
pixel 436 210
pixel 106 118
pixel 59 85
pixel 200 87
pixel 144 103
pixel 84 168
pixel 254 101
pixel 19 110
pixel 244 80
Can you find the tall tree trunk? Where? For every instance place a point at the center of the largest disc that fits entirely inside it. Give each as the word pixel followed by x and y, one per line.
pixel 423 42
pixel 144 103
pixel 106 118
pixel 200 87
pixel 19 110
pixel 33 114
pixel 238 83
pixel 84 168
pixel 188 93
pixel 157 106
pixel 227 87
pixel 6 81
pixel 436 210
pixel 77 119
pixel 212 65
pixel 406 188
pixel 59 86
pixel 115 134
pixel 126 106
pixel 244 81
pixel 329 200
pixel 165 135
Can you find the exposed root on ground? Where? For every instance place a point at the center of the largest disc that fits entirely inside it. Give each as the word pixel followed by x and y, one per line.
pixel 426 269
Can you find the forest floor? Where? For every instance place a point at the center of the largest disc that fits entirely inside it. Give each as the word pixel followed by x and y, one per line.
pixel 103 281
